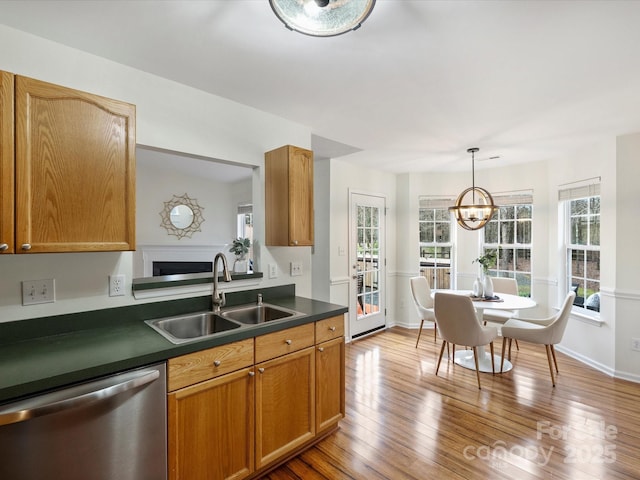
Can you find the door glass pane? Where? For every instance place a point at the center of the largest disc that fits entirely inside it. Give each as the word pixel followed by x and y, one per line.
pixel 368 266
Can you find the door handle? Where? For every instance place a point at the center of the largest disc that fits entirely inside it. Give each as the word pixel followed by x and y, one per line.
pixel 17 416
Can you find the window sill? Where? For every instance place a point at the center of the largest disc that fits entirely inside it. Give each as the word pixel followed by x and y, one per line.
pixel 587 318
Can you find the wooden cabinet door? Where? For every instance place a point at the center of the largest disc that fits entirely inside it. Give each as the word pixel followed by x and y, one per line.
pixel 6 163
pixel 289 196
pixel 285 405
pixel 300 197
pixel 211 428
pixel 330 386
pixel 75 170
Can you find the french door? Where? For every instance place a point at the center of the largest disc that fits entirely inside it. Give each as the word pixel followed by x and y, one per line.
pixel 367 260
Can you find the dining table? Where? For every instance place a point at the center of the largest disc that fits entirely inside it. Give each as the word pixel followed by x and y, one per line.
pixel 499 301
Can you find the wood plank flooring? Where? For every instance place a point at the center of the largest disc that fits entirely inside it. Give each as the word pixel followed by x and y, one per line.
pixel 403 422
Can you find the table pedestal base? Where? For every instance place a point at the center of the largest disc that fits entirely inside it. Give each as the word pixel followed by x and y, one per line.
pixel 464 358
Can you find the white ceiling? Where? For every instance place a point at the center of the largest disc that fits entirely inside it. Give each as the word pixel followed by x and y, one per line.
pixel 410 91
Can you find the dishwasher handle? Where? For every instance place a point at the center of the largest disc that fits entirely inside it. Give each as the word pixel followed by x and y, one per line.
pixel 21 415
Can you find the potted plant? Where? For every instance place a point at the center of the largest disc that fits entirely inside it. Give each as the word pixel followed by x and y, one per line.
pixel 487 260
pixel 484 287
pixel 240 248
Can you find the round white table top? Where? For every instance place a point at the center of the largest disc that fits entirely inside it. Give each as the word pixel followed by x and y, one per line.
pixel 509 302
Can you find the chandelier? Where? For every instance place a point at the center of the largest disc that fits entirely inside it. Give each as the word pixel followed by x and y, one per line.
pixel 322 18
pixel 476 214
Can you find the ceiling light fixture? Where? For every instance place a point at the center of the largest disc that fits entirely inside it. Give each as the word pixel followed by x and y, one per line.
pixel 474 215
pixel 322 18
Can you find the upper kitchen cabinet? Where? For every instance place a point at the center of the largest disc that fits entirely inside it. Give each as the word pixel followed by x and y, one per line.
pixel 74 167
pixel 6 163
pixel 289 196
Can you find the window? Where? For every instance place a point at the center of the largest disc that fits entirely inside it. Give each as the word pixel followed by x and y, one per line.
pixel 435 241
pixel 582 230
pixel 244 227
pixel 509 232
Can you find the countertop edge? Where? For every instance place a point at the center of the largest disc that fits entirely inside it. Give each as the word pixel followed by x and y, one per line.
pixel 48 363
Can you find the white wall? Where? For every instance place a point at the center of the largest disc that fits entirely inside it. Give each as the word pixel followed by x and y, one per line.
pixel 218 202
pixel 627 233
pixel 169 116
pixel 321 271
pixel 593 342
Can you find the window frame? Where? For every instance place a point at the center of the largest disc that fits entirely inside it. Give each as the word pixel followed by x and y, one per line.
pixel 512 201
pixel 580 305
pixel 437 205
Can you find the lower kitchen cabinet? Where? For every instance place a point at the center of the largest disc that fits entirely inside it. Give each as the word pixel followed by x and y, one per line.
pixel 330 386
pixel 211 428
pixel 285 405
pixel 237 410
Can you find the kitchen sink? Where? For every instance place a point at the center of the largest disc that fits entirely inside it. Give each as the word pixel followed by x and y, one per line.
pixel 191 327
pixel 258 313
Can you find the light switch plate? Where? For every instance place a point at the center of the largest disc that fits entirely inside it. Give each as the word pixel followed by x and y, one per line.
pixel 273 270
pixel 38 291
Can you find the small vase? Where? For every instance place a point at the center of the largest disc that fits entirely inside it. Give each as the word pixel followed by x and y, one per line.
pixel 477 288
pixel 488 286
pixel 240 264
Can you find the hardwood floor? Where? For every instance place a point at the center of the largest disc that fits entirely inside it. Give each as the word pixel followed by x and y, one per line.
pixel 403 422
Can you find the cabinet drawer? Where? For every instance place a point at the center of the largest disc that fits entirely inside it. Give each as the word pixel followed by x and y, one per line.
pixel 329 328
pixel 199 366
pixel 286 341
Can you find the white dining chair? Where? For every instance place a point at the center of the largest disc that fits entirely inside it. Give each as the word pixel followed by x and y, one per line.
pixel 547 332
pixel 421 294
pixel 458 324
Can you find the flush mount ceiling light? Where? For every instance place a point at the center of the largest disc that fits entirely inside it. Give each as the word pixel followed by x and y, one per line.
pixel 474 215
pixel 322 18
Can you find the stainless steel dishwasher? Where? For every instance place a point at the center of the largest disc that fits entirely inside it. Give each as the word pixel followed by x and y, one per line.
pixel 112 428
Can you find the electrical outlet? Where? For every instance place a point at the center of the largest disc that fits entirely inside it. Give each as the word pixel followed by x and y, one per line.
pixel 116 285
pixel 296 269
pixel 635 344
pixel 38 291
pixel 273 270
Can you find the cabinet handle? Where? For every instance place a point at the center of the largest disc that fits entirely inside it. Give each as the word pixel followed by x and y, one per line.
pixel 321 349
pixel 288 342
pixel 295 242
pixel 333 329
pixel 261 370
pixel 3 247
pixel 216 363
pixel 26 246
pixel 252 373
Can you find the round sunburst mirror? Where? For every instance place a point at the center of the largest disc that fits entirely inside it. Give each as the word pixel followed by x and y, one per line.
pixel 182 216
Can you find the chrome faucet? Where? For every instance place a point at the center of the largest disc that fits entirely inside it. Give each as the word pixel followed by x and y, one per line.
pixel 218 298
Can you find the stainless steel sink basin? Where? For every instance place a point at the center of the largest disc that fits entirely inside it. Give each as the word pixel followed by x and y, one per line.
pixel 254 314
pixel 191 327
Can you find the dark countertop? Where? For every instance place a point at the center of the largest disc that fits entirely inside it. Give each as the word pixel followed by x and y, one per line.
pixel 41 354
